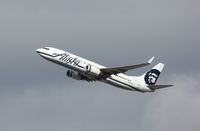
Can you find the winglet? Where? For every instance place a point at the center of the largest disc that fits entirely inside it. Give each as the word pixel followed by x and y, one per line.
pixel 150 60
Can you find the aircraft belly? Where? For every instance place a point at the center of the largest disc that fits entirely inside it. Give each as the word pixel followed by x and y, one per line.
pixel 118 84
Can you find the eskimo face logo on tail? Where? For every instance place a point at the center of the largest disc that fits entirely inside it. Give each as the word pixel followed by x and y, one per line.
pixel 151 77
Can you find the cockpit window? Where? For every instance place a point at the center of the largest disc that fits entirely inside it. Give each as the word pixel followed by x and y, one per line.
pixel 46 48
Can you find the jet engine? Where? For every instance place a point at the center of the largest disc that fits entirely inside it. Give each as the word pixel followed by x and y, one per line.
pixel 91 70
pixel 74 75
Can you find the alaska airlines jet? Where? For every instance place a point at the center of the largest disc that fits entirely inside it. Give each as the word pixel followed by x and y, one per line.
pixel 82 69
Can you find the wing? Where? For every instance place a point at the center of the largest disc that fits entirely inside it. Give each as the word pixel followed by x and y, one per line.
pixel 155 87
pixel 123 69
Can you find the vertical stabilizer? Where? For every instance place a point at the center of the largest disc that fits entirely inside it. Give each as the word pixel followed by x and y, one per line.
pixel 151 77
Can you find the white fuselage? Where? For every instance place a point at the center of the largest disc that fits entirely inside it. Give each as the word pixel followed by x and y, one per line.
pixel 78 64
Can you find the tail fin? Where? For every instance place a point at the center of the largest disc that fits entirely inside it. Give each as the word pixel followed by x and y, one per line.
pixel 151 77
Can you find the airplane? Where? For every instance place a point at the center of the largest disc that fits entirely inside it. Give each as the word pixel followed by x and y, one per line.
pixel 83 69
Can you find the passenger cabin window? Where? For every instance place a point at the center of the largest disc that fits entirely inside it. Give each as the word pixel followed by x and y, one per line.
pixel 46 48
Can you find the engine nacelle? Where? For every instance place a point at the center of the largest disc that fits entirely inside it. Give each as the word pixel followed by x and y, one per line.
pixel 91 70
pixel 74 75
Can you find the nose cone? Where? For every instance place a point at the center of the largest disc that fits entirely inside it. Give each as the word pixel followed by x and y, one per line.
pixel 38 50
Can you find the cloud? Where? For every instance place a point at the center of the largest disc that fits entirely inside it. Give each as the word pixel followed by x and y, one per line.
pixel 35 94
pixel 110 33
pixel 76 106
pixel 68 107
pixel 176 108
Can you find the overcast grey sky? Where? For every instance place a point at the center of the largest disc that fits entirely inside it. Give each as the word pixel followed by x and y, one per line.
pixel 36 95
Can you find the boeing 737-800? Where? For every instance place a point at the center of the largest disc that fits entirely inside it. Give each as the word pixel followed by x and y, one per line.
pixel 82 69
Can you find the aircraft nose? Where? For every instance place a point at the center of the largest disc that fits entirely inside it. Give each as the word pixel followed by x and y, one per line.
pixel 38 50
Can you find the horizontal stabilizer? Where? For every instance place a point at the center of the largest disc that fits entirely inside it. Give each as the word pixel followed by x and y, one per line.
pixel 155 87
